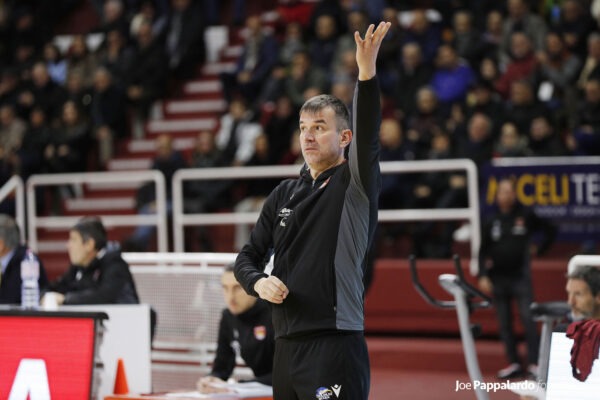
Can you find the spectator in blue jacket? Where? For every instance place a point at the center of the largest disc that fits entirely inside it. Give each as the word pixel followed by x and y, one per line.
pixel 452 77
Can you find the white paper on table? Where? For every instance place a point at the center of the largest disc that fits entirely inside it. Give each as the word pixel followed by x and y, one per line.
pixel 238 391
pixel 250 389
pixel 198 395
pixel 561 383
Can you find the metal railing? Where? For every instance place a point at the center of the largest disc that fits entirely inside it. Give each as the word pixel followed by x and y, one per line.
pixel 15 184
pixel 470 213
pixel 159 219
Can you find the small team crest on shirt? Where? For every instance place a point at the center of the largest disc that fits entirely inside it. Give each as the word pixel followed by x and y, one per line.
pixel 260 332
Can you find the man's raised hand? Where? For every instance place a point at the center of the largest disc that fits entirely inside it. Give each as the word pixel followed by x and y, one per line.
pixel 368 48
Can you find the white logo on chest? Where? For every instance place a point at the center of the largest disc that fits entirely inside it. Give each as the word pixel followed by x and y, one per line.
pixel 284 214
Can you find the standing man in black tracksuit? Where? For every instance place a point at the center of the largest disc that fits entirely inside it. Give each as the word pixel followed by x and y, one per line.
pixel 319 228
pixel 504 271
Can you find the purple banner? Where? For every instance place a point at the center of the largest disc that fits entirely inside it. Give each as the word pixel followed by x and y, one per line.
pixel 565 190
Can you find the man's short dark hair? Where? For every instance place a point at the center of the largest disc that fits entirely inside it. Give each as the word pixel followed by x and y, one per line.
pixel 91 228
pixel 9 231
pixel 589 274
pixel 322 101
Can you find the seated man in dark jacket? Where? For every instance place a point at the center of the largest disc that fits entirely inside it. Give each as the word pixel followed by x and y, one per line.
pixel 11 255
pixel 98 274
pixel 245 330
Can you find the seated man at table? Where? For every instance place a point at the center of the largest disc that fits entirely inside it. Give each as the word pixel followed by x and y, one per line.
pixel 583 297
pixel 98 274
pixel 246 330
pixel 12 253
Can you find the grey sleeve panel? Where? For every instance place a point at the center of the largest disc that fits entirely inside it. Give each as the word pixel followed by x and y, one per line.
pixel 350 251
pixel 353 235
pixel 353 150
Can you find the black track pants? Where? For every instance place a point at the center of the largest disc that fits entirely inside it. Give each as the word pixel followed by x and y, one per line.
pixel 328 367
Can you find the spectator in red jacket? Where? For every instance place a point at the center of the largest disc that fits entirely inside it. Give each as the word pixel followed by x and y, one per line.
pixel 522 64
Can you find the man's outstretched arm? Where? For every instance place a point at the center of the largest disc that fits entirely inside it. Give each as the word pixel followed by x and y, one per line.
pixel 364 149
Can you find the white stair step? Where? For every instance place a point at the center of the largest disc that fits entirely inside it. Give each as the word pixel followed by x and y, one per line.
pixel 202 87
pixel 191 106
pixel 181 125
pixel 217 68
pixel 233 51
pixel 270 17
pixel 148 145
pixel 115 203
pixel 125 164
pixel 101 186
pixel 52 246
pixel 266 30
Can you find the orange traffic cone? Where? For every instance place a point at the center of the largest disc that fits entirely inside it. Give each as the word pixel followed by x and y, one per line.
pixel 121 386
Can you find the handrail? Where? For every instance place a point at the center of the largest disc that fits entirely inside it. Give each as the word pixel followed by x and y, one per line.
pixel 535 161
pixel 196 259
pixel 459 281
pixel 414 275
pixel 471 213
pixel 159 219
pixel 470 290
pixel 15 184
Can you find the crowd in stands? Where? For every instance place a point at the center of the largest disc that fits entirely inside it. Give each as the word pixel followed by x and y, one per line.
pixel 59 105
pixel 476 79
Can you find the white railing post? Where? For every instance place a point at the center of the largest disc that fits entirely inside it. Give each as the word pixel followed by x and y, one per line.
pixel 475 216
pixel 177 204
pixel 15 184
pixel 31 216
pixel 161 212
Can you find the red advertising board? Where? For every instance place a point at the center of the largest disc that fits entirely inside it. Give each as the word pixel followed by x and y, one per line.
pixel 65 347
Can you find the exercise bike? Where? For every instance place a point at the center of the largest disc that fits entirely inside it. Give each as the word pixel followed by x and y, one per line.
pixel 467 298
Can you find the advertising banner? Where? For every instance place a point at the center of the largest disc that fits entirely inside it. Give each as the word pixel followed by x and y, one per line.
pixel 46 358
pixel 563 189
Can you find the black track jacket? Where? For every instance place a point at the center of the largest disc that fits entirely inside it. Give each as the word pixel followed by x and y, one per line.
pixel 320 231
